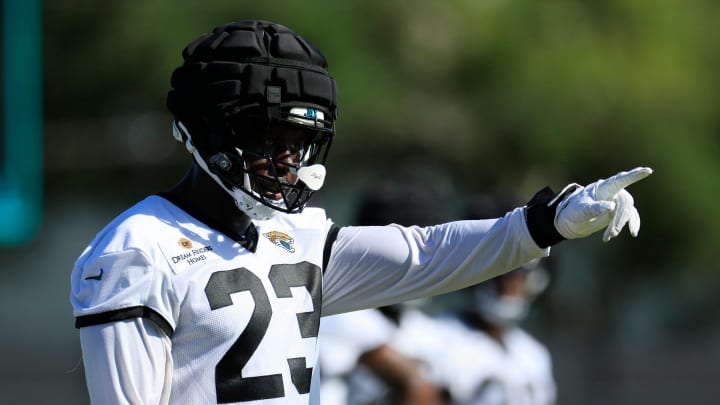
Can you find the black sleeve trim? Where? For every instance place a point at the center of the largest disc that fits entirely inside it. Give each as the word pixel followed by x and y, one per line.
pixel 123 314
pixel 541 219
pixel 329 240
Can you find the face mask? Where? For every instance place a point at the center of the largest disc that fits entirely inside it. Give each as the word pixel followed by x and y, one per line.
pixel 502 310
pixel 250 206
pixel 246 198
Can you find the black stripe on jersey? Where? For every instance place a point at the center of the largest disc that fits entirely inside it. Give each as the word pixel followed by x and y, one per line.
pixel 329 240
pixel 123 314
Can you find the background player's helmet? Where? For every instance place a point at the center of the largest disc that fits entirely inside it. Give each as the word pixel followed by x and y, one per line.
pixel 509 309
pixel 245 91
pixel 405 197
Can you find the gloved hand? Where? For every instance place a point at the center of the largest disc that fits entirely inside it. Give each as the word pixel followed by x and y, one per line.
pixel 604 203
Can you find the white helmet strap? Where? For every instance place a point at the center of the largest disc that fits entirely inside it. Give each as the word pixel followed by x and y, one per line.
pixel 245 203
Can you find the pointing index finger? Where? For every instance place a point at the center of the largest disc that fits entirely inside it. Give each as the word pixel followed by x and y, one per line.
pixel 608 188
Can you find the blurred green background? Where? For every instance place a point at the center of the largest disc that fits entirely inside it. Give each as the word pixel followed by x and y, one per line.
pixel 482 96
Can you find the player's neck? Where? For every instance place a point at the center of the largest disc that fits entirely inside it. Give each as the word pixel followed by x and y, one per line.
pixel 198 195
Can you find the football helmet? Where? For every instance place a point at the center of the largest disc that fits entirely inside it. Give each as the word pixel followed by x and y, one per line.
pixel 254 104
pixel 507 309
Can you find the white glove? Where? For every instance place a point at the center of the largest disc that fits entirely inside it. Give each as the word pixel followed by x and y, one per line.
pixel 604 203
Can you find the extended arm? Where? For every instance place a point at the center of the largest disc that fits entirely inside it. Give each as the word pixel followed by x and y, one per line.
pixel 381 265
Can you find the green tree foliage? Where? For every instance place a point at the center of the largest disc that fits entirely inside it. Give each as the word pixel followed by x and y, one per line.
pixel 500 92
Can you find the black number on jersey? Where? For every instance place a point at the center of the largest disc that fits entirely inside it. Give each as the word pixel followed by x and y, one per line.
pixel 231 386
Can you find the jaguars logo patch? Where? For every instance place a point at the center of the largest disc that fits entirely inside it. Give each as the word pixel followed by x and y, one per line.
pixel 281 239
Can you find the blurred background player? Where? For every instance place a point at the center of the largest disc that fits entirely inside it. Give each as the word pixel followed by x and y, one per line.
pixel 357 344
pixel 475 354
pixel 477 350
pixel 491 360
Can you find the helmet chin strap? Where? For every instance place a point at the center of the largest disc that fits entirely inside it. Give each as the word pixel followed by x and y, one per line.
pixel 245 203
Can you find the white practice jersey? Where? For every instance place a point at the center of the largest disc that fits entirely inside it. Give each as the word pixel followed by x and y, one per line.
pixel 480 371
pixel 345 338
pixel 474 368
pixel 173 311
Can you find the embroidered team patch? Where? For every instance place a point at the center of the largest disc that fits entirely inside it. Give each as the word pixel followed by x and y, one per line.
pixel 281 239
pixel 182 253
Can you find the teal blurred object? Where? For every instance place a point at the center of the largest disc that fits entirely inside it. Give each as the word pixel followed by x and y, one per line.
pixel 21 171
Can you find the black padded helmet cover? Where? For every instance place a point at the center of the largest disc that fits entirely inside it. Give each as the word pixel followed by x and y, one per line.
pixel 249 65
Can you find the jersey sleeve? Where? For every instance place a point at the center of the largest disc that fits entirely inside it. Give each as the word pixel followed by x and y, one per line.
pixel 127 362
pixel 381 265
pixel 114 286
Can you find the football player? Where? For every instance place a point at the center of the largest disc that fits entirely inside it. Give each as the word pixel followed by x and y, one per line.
pixel 211 292
pixel 509 366
pixel 478 354
pixel 474 354
pixel 358 364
